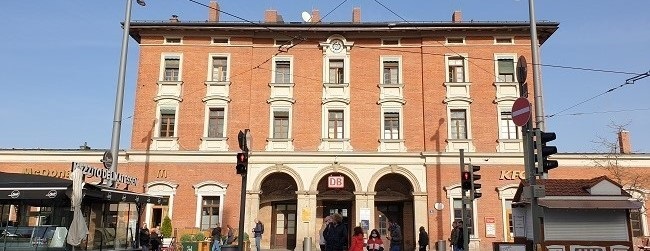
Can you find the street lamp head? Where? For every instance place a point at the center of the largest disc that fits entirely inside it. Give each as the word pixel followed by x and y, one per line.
pixel 141 2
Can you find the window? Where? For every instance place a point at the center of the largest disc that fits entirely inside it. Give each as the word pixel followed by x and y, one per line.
pixel 390 41
pixel 281 124
pixel 456 69
pixel 220 40
pixel 507 129
pixel 458 124
pixel 167 122
pixel 506 70
pixel 173 40
pixel 636 222
pixel 216 123
pixel 336 71
pixel 458 215
pixel 282 72
pixel 219 69
pixel 172 69
pixel 391 125
pixel 335 124
pixel 510 226
pixel 455 40
pixel 391 72
pixel 503 40
pixel 210 212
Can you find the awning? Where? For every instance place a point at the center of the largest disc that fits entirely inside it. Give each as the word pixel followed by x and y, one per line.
pixel 20 186
pixel 116 195
pixel 33 193
pixel 591 204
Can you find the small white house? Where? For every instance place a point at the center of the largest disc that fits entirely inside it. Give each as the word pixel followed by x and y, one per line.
pixel 578 215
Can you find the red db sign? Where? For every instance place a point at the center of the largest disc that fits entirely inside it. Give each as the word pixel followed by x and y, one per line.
pixel 335 182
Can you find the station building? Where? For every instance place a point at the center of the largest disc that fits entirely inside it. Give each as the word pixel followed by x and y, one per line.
pixel 365 119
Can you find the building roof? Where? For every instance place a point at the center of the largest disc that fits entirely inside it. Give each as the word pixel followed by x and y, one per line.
pixel 428 28
pixel 568 187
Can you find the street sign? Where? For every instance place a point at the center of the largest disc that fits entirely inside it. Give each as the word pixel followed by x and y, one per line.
pixel 521 112
pixel 522 71
pixel 107 159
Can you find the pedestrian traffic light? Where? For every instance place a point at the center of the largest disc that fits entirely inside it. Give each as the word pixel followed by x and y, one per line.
pixel 476 193
pixel 542 151
pixel 242 163
pixel 466 180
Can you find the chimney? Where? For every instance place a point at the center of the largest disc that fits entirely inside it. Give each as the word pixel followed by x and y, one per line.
pixel 271 16
pixel 213 13
pixel 457 17
pixel 356 15
pixel 174 19
pixel 624 142
pixel 315 16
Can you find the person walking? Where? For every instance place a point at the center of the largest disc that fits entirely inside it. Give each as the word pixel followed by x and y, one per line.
pixel 326 224
pixel 456 239
pixel 357 239
pixel 216 239
pixel 336 236
pixel 395 236
pixel 258 231
pixel 374 241
pixel 423 240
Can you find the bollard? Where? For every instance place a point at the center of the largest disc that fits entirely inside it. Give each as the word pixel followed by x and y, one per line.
pixel 441 245
pixel 306 244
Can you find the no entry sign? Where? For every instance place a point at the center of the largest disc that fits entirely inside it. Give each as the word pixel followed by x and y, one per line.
pixel 521 112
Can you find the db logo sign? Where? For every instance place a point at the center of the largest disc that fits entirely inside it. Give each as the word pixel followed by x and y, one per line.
pixel 335 182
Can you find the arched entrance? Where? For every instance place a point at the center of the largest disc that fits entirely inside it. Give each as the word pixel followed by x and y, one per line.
pixel 278 205
pixel 336 197
pixel 394 201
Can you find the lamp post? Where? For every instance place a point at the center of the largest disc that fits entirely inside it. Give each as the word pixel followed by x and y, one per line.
pixel 119 97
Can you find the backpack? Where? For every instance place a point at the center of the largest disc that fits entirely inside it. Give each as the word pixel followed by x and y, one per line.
pixel 261 228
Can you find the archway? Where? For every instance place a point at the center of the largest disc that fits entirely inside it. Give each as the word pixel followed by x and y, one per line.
pixel 278 205
pixel 394 202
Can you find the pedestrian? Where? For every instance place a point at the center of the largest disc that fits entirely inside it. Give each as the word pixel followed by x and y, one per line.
pixel 258 231
pixel 395 236
pixel 144 237
pixel 374 241
pixel 216 239
pixel 456 239
pixel 423 240
pixel 326 223
pixel 357 239
pixel 155 240
pixel 230 237
pixel 336 236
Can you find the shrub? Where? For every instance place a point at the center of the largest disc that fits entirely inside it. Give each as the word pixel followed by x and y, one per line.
pixel 187 238
pixel 166 228
pixel 199 236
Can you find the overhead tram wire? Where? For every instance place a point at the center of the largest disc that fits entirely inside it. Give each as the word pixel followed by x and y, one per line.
pixel 629 81
pixel 601 112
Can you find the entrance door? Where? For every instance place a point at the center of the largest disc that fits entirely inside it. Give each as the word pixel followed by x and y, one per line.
pixel 392 211
pixel 344 208
pixel 284 226
pixel 158 214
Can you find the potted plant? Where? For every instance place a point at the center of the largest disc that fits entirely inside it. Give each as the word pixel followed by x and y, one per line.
pixel 201 243
pixel 166 231
pixel 188 242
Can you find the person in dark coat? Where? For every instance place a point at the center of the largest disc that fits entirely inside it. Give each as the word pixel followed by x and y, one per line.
pixel 144 237
pixel 336 235
pixel 155 240
pixel 395 236
pixel 423 240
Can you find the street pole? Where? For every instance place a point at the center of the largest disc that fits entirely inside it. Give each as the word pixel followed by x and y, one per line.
pixel 119 96
pixel 464 202
pixel 242 210
pixel 537 80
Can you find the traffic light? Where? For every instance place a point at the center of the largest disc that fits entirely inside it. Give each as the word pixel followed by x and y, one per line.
pixel 466 180
pixel 242 163
pixel 542 151
pixel 476 186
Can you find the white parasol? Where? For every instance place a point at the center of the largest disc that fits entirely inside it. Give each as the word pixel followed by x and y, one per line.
pixel 78 229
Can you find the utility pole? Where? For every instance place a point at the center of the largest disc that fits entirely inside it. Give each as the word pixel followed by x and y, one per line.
pixel 245 143
pixel 537 80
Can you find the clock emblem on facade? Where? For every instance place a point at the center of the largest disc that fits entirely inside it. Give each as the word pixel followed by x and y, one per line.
pixel 337 46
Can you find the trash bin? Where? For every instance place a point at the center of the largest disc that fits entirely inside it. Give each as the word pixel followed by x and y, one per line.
pixel 306 244
pixel 441 245
pixel 190 246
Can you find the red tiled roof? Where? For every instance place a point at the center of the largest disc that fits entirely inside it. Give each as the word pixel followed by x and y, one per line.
pixel 567 187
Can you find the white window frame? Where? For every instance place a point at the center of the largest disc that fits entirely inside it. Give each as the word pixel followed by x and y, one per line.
pixel 498 56
pixel 279 108
pixel 448 43
pixel 399 111
pixel 500 110
pixel 465 57
pixel 399 42
pixel 167 42
pixel 226 43
pixel 205 189
pixel 512 40
pixel 325 119
pixel 468 122
pixel 206 123
pixel 166 55
pixel 161 188
pixel 159 118
pixel 382 60
pixel 506 192
pixel 346 69
pixel 282 58
pixel 211 57
pixel 455 192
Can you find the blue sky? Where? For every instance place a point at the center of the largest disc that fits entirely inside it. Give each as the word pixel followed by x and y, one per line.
pixel 61 61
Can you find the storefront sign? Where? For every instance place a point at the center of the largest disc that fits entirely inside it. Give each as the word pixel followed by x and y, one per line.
pixel 162 174
pixel 511 175
pixel 335 182
pixel 490 227
pixel 105 174
pixel 46 172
